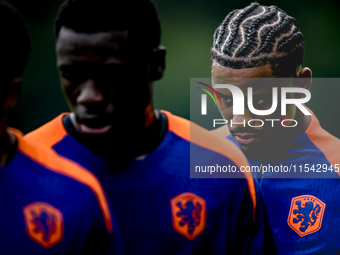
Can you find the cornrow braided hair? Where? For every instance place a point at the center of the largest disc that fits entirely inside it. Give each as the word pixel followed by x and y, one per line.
pixel 258 35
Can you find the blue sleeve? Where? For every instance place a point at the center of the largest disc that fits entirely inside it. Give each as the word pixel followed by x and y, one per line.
pixel 98 239
pixel 250 234
pixel 263 241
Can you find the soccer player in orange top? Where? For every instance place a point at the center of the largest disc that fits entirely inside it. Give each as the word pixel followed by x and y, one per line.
pixel 264 42
pixel 108 57
pixel 48 205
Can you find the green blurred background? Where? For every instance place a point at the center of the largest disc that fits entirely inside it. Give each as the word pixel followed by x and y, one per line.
pixel 188 27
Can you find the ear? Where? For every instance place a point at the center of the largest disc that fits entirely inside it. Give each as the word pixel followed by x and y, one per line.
pixel 157 65
pixel 305 78
pixel 12 93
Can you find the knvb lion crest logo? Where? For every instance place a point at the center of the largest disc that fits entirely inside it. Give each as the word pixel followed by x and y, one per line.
pixel 44 223
pixel 306 214
pixel 188 214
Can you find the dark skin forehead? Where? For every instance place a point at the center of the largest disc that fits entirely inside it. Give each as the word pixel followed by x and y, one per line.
pixel 244 78
pixel 219 71
pixel 93 48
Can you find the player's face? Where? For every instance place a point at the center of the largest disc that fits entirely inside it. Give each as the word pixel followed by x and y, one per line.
pixel 252 140
pixel 106 83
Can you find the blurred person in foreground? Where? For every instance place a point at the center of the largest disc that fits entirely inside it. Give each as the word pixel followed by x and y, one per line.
pixel 108 57
pixel 259 42
pixel 48 204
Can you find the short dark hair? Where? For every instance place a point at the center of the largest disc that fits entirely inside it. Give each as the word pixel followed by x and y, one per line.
pixel 139 17
pixel 14 44
pixel 257 35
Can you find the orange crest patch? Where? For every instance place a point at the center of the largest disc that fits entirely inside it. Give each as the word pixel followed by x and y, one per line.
pixel 44 223
pixel 188 214
pixel 306 214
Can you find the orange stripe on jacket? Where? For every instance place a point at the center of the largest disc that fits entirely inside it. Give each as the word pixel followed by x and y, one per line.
pixel 221 131
pixel 327 143
pixel 49 159
pixel 48 134
pixel 202 137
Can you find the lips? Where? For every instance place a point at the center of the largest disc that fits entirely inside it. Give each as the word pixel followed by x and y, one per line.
pixel 94 124
pixel 245 138
pixel 95 121
pixel 94 131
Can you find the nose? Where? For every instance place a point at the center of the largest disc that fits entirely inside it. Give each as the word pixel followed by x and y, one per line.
pixel 89 93
pixel 242 120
